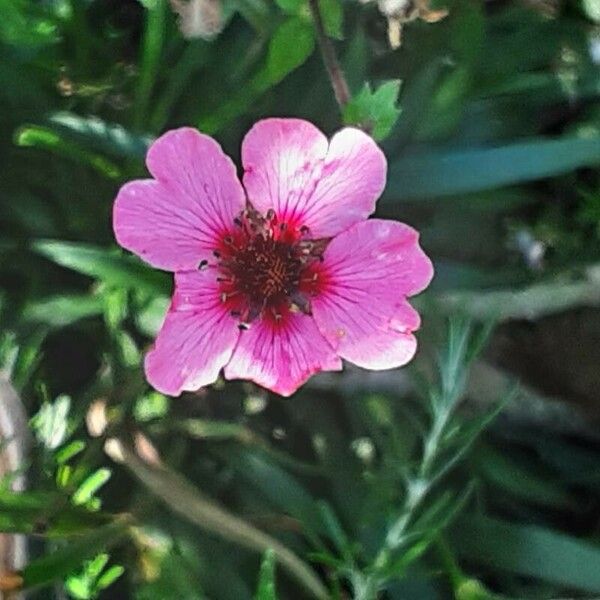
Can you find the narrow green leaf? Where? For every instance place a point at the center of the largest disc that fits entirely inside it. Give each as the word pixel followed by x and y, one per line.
pixel 440 173
pixel 93 132
pixel 103 264
pixel 530 551
pixel 47 139
pixel 53 567
pixel 109 577
pixel 60 311
pixel 266 580
pixel 27 512
pixel 90 486
pixel 517 479
pixel 151 50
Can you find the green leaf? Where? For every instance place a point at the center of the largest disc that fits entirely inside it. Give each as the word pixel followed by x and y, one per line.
pixel 47 139
pixel 291 7
pixel 151 406
pixel 519 479
pixel 103 264
pixel 27 512
pixel 375 110
pixel 332 14
pixel 266 580
pixel 291 44
pixel 529 550
pixel 90 486
pixel 60 311
pixel 72 449
pixel 51 422
pixel 20 25
pixel 150 317
pixel 443 173
pixel 592 9
pixel 53 567
pixel 93 132
pixel 109 577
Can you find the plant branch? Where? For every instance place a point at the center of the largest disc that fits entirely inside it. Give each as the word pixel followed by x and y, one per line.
pixel 183 498
pixel 334 69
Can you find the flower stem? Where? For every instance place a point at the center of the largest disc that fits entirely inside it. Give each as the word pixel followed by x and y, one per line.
pixel 334 69
pixel 190 503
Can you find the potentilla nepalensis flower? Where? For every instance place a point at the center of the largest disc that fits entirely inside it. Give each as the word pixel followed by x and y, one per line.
pixel 280 278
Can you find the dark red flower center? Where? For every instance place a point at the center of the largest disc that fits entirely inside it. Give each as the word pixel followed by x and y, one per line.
pixel 267 268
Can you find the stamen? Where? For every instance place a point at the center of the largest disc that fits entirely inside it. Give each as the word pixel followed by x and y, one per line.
pixel 203 264
pixel 265 268
pixel 243 326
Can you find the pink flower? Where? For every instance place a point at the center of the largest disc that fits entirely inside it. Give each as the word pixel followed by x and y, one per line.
pixel 284 279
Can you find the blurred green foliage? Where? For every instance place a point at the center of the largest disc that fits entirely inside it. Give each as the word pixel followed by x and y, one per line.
pixel 403 486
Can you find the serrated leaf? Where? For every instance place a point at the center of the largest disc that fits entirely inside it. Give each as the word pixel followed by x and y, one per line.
pixel 375 110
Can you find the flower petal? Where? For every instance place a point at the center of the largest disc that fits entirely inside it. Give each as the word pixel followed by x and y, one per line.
pixel 282 161
pixel 368 271
pixel 196 339
pixel 282 356
pixel 290 167
pixel 177 221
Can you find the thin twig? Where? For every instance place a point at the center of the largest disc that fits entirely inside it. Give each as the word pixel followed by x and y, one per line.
pixel 183 498
pixel 334 69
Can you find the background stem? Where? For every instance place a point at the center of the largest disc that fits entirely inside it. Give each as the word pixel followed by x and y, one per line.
pixel 334 69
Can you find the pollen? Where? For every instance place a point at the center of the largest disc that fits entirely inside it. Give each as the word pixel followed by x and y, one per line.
pixel 263 267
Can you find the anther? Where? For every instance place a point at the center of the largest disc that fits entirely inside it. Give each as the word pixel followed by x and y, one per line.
pixel 235 313
pixel 228 240
pixel 243 326
pixel 203 264
pixel 238 221
pixel 216 254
